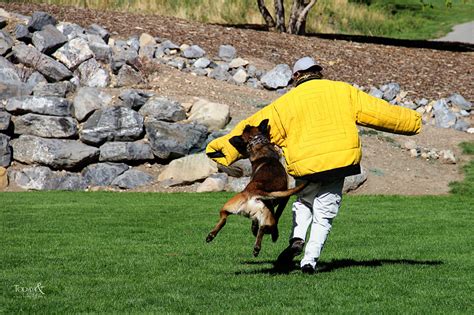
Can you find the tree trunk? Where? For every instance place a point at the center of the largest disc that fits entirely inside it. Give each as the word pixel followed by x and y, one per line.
pixel 280 15
pixel 266 15
pixel 299 13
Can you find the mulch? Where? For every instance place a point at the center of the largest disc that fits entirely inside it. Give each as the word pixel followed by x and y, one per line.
pixel 421 72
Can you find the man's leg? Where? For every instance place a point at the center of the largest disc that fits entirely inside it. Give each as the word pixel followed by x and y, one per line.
pixel 325 208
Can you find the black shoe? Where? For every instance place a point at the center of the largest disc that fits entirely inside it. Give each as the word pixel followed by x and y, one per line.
pixel 285 259
pixel 308 269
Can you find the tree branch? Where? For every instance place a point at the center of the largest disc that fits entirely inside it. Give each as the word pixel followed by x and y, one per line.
pixel 266 15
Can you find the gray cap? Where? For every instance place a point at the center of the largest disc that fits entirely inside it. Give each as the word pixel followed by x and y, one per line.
pixel 306 63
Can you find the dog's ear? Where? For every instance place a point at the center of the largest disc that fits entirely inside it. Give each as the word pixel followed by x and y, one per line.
pixel 263 127
pixel 239 144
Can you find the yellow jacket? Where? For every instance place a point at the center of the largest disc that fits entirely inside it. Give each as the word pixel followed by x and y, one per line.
pixel 315 125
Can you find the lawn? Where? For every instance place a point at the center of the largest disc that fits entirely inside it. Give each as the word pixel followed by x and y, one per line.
pixel 137 252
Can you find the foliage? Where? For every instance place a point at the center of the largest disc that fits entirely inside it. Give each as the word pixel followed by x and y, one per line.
pixel 466 187
pixel 145 252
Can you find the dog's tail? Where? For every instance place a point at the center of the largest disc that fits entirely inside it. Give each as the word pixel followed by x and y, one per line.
pixel 264 195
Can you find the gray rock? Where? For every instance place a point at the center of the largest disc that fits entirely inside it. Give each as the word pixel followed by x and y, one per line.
pixel 193 52
pixel 8 72
pixel 5 150
pixel 75 52
pixel 42 178
pixel 167 44
pixel 134 99
pixel 58 89
pixel 35 79
pixel 202 62
pixel 254 83
pixel 132 179
pixel 47 66
pixel 121 55
pixel 422 102
pixel 460 101
pixel 178 63
pixel 444 118
pixel 6 43
pixel 92 74
pixel 200 72
pixel 276 78
pixel 99 30
pixel 10 90
pixel 238 63
pixel 71 30
pixel 376 92
pixel 390 91
pixel 162 108
pixel 220 73
pixel 53 106
pixel 23 34
pixel 45 126
pixel 171 140
pixel 148 51
pixel 39 19
pixel 188 169
pixel 5 119
pixel 125 151
pixel 355 181
pixel 237 184
pixel 58 154
pixel 102 174
pixel 89 99
pixel 214 183
pixel 240 76
pixel 440 105
pixel 461 125
pixel 134 43
pixel 112 124
pixel 48 39
pixel 102 52
pixel 127 76
pixel 227 52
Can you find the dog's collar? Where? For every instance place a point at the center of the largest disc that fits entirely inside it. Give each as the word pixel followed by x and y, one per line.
pixel 258 139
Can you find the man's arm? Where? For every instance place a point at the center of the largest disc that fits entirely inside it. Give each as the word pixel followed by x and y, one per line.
pixel 381 115
pixel 220 149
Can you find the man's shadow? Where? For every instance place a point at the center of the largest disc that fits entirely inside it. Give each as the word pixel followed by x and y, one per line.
pixel 335 264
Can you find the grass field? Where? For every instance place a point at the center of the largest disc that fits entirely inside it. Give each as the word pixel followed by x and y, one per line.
pixel 137 252
pixel 409 19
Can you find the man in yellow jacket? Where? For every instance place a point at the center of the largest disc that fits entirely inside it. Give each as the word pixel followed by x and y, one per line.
pixel 315 125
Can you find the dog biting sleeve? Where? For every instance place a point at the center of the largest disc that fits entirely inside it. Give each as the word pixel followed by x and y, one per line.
pixel 379 114
pixel 223 145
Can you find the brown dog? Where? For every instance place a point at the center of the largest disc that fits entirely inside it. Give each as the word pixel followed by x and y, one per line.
pixel 268 185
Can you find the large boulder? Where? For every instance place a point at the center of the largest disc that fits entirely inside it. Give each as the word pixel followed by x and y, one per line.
pixel 227 52
pixel 5 150
pixel 92 74
pixel 57 89
pixel 134 99
pixel 355 181
pixel 47 66
pixel 89 99
pixel 45 126
pixel 122 54
pixel 128 76
pixel 58 154
pixel 188 169
pixel 212 115
pixel 162 108
pixel 112 124
pixel 53 106
pixel 75 52
pixel 39 19
pixel 172 140
pixel 6 43
pixel 42 178
pixel 390 91
pixel 5 119
pixel 48 39
pixel 193 52
pixel 103 174
pixel 132 179
pixel 278 77
pixel 214 183
pixel 125 151
pixel 3 178
pixel 459 101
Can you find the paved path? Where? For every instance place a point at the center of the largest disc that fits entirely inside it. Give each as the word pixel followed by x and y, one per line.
pixel 461 33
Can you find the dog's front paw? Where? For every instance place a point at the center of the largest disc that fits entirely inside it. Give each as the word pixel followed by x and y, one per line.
pixel 210 237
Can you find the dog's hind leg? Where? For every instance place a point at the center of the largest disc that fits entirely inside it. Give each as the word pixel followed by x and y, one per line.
pixel 222 220
pixel 254 227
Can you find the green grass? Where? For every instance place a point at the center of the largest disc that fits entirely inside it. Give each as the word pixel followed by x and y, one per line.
pixel 408 19
pixel 466 187
pixel 145 252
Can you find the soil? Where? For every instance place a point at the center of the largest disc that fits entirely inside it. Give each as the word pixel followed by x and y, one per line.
pixel 421 72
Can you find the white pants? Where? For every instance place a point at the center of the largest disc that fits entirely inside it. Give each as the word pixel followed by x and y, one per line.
pixel 317 205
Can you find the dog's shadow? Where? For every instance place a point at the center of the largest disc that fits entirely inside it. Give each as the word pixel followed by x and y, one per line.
pixel 332 265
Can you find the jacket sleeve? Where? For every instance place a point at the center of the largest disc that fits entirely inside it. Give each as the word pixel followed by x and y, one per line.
pixel 381 115
pixel 223 145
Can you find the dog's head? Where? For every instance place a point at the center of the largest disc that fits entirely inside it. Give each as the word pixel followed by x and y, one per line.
pixel 252 139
